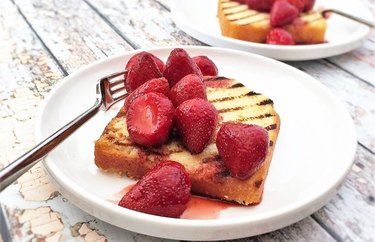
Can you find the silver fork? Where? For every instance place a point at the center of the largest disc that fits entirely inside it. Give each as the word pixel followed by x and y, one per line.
pixel 109 90
pixel 346 15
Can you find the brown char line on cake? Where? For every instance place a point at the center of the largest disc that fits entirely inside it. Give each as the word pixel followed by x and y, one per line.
pixel 116 153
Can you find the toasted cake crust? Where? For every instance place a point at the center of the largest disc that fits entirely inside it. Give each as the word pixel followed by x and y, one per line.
pixel 239 22
pixel 115 152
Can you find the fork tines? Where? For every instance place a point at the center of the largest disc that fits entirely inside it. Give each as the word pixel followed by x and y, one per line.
pixel 113 88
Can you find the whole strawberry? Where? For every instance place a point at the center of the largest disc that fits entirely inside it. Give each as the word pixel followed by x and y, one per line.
pixel 206 65
pixel 299 4
pixel 142 69
pixel 279 36
pixel 282 13
pixel 189 87
pixel 160 85
pixel 309 4
pixel 178 65
pixel 196 121
pixel 149 119
pixel 135 58
pixel 242 147
pixel 260 5
pixel 163 191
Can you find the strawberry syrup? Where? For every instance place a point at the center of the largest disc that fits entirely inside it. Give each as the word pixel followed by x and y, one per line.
pixel 197 208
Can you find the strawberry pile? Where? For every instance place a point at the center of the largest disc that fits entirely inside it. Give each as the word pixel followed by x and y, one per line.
pixel 282 12
pixel 163 97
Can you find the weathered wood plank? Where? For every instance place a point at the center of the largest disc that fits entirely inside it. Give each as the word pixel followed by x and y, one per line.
pixel 144 22
pixel 72 31
pixel 350 215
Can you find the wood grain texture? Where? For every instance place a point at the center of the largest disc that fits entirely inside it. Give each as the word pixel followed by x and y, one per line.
pixel 145 23
pixel 72 31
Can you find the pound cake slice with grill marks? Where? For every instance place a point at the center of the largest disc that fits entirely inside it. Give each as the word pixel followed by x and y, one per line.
pixel 115 152
pixel 240 22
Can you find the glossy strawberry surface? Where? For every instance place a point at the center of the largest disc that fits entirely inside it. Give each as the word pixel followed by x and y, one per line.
pixel 163 191
pixel 160 85
pixel 196 121
pixel 260 5
pixel 279 36
pixel 178 65
pixel 149 119
pixel 135 58
pixel 206 65
pixel 189 87
pixel 282 13
pixel 242 147
pixel 142 69
pixel 309 5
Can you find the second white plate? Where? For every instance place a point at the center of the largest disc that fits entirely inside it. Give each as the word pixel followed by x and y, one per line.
pixel 199 19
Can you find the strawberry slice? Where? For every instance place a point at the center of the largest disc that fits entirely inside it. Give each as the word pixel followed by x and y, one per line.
pixel 142 69
pixel 279 36
pixel 178 65
pixel 242 147
pixel 149 119
pixel 154 85
pixel 189 87
pixel 206 65
pixel 196 120
pixel 163 191
pixel 282 13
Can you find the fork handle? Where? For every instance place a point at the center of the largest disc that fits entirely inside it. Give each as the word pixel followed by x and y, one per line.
pixel 18 167
pixel 360 20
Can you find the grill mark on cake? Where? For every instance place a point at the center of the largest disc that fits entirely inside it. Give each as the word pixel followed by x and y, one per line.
pixel 265 102
pixel 271 127
pixel 233 18
pixel 249 94
pixel 258 183
pixel 226 110
pixel 237 85
pixel 224 173
pixel 271 143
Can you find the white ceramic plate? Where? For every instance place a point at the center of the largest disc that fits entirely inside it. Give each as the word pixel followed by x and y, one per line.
pixel 198 19
pixel 314 152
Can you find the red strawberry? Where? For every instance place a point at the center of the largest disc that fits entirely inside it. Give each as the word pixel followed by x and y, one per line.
pixel 143 68
pixel 135 57
pixel 299 4
pixel 189 87
pixel 206 65
pixel 149 119
pixel 196 121
pixel 282 13
pixel 243 148
pixel 163 191
pixel 154 85
pixel 178 65
pixel 279 36
pixel 309 4
pixel 260 5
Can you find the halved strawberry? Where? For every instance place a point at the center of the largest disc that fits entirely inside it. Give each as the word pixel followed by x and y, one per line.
pixel 206 65
pixel 282 13
pixel 196 121
pixel 178 65
pixel 163 191
pixel 143 68
pixel 189 87
pixel 149 119
pixel 160 85
pixel 242 147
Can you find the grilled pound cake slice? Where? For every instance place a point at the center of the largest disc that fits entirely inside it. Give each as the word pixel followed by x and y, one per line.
pixel 115 152
pixel 239 22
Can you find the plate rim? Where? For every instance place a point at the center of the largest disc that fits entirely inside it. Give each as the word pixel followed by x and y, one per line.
pixel 315 51
pixel 182 223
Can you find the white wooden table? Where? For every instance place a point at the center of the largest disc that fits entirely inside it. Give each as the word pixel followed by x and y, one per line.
pixel 41 42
